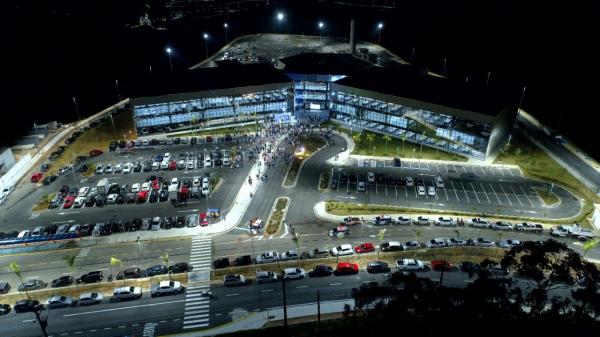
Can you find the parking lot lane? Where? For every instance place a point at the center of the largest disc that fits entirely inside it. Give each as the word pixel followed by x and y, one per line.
pixel 465 191
pixel 476 196
pixel 485 193
pixel 454 189
pixel 517 195
pixel 495 193
pixel 506 195
pixel 482 170
pixel 446 193
pixel 492 170
pixel 528 199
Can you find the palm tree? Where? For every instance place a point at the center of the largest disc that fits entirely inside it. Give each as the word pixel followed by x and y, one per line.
pixel 116 262
pixel 403 140
pixel 165 259
pixel 357 138
pixel 381 236
pixel 387 138
pixel 589 245
pixel 296 238
pixel 70 261
pixel 417 236
pixel 370 138
pixel 16 269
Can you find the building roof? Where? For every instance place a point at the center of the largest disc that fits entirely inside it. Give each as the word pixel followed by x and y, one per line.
pixel 323 64
pixel 407 83
pixel 226 75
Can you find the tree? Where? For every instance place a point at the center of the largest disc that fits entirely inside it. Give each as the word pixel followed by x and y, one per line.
pixel 116 262
pixel 43 322
pixel 45 199
pixel 165 259
pixel 403 137
pixel 417 236
pixel 357 138
pixel 386 138
pixel 296 239
pixel 370 138
pixel 70 261
pixel 590 245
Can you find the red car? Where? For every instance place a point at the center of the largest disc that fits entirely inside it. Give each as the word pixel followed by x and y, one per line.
pixel 172 165
pixel 36 177
pixel 142 195
pixel 69 200
pixel 95 153
pixel 155 185
pixel 439 265
pixel 346 268
pixel 203 220
pixel 366 247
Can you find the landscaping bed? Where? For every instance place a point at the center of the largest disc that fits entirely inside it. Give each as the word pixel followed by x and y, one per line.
pixel 325 180
pixel 277 216
pixel 44 203
pixel 311 144
pixel 548 198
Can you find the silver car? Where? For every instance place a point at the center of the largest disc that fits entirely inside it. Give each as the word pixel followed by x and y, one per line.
pixel 90 298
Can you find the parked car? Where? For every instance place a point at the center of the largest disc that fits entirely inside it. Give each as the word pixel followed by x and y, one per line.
pixel 233 280
pixel 243 260
pixel 366 247
pixel 158 269
pixel 180 267
pixel 90 298
pixel 127 293
pixel 411 245
pixel 445 221
pixel 423 221
pixel 293 273
pixel 502 225
pixel 436 243
pixel 132 272
pixel 58 301
pixel 509 243
pixel 266 277
pixel 377 267
pixel 266 257
pixel 30 285
pixel 403 220
pixel 392 246
pixel 441 265
pixel 410 265
pixel 291 254
pixel 91 277
pixel 529 227
pixel 166 288
pixel 321 270
pixel 221 263
pixel 63 281
pixel 36 177
pixel 27 306
pixel 346 268
pixel 345 249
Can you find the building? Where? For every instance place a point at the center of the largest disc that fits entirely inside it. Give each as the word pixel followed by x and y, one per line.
pixel 453 116
pixel 7 160
pixel 210 98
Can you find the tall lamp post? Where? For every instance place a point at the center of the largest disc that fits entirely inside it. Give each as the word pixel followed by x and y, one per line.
pixel 225 26
pixel 321 25
pixel 206 44
pixel 76 109
pixel 169 51
pixel 380 28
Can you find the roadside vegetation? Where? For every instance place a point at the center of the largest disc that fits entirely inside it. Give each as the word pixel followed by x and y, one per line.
pixel 548 198
pixel 311 144
pixel 375 144
pixel 98 137
pixel 277 215
pixel 325 180
pixel 44 202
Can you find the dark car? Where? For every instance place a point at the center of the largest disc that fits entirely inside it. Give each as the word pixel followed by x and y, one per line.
pixel 91 277
pixel 50 229
pixel 344 177
pixel 83 168
pixel 131 197
pixel 100 200
pixel 45 167
pixel 181 267
pixel 469 267
pixel 321 270
pixel 136 224
pixel 86 229
pixel 397 162
pixel 4 309
pixel 221 263
pixel 377 267
pixel 180 223
pixel 128 273
pixel 168 223
pixel 27 305
pixel 244 260
pixel 63 281
pixel 153 196
pixel 158 269
pixel 334 183
pixel 30 285
pixel 48 180
pixel 163 195
pixel 90 200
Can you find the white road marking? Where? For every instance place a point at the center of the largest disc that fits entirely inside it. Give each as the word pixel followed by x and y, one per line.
pixel 228 295
pixel 122 308
pixel 335 284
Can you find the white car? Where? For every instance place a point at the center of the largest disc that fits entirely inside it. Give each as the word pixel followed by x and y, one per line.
pixel 431 191
pixel 83 192
pixel 403 220
pixel 64 170
pixel 452 242
pixel 2 198
pixel 8 190
pixel 267 257
pixel 58 301
pixel 293 273
pixel 90 298
pixel 164 165
pixel 108 169
pixel 479 223
pixel 411 245
pixel 361 186
pixel 509 243
pixel 345 249
pixel 207 162
pixel 436 243
pixel 79 201
pixel 196 182
pixel 422 221
pixel 99 169
pixel 155 166
pixel 445 221
pixel 191 164
pixel 205 190
pixel 410 182
pixel 175 182
pixel 421 190
pixel 166 288
pixel 289 255
pixel 127 168
pixel 502 226
pixel 146 186
pixel 371 177
pixel 135 188
pixel 483 242
pixel 167 157
pixel 439 183
pixel 119 168
pixel 410 265
pixel 112 198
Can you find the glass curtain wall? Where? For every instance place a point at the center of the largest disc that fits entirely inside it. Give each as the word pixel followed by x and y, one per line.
pixel 309 95
pixel 212 111
pixel 433 129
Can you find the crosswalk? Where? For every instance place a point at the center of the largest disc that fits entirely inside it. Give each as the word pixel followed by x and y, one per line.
pixel 149 329
pixel 196 313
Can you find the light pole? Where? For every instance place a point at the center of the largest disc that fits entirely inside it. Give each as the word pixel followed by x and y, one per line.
pixel 118 91
pixel 225 25
pixel 444 69
pixel 321 25
pixel 206 44
pixel 280 17
pixel 76 109
pixel 169 51
pixel 380 28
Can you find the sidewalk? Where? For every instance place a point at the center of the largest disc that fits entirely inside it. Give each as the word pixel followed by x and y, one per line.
pixel 256 320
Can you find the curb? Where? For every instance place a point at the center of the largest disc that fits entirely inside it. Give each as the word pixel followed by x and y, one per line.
pixel 284 211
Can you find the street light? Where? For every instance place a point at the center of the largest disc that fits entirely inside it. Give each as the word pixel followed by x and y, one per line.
pixel 280 18
pixel 321 25
pixel 225 25
pixel 380 28
pixel 206 44
pixel 169 51
pixel 76 109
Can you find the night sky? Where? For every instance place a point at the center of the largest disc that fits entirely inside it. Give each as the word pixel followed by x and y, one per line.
pixel 54 50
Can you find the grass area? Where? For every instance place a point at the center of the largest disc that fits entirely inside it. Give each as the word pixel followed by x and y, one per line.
pixel 325 180
pixel 547 197
pixel 96 138
pixel 276 217
pixel 90 171
pixel 311 144
pixel 348 208
pixel 44 202
pixel 395 147
pixel 221 131
pixel 535 163
pixel 454 255
pixel 106 288
pixel 293 171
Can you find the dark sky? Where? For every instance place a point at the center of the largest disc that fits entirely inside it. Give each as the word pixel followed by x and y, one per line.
pixel 58 49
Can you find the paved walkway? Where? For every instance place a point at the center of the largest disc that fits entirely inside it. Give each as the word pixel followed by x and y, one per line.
pixel 256 320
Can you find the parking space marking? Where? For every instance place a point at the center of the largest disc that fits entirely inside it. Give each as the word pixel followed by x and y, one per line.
pixel 386 185
pixel 464 169
pixel 492 169
pixel 446 193
pixel 406 191
pixel 502 173
pixel 446 166
pixel 525 193
pixel 515 192
pixel 510 171
pixel 495 193
pixel 465 191
pixel 454 189
pixel 482 170
pixel 476 196
pixel 506 195
pixel 485 193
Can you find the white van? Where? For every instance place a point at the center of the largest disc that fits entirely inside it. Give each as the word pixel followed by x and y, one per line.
pixel 37 231
pixel 24 234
